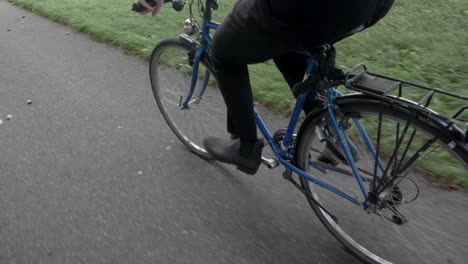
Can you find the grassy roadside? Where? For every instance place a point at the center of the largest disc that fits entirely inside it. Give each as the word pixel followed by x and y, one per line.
pixel 425 42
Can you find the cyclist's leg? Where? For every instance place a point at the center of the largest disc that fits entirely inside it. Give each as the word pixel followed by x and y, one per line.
pixel 243 39
pixel 293 66
pixel 233 48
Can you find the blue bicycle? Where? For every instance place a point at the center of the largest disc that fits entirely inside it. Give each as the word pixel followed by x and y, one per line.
pixel 369 162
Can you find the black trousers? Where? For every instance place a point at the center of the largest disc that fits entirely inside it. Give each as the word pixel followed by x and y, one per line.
pixel 253 33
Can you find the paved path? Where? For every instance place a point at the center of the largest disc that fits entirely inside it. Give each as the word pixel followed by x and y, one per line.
pixel 90 172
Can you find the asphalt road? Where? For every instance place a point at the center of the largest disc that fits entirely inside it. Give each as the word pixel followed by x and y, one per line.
pixel 91 173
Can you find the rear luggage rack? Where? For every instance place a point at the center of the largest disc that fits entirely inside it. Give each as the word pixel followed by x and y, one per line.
pixel 360 80
pixel 412 96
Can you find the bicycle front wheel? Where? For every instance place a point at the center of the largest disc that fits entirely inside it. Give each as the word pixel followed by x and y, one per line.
pixel 171 73
pixel 417 220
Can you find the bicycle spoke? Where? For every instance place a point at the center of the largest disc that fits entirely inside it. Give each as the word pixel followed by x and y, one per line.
pixel 396 171
pixel 394 155
pixel 418 153
pixel 377 157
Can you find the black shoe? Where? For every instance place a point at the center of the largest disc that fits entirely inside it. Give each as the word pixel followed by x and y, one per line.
pixel 245 155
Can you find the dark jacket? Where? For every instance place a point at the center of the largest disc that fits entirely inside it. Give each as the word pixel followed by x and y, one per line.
pixel 304 20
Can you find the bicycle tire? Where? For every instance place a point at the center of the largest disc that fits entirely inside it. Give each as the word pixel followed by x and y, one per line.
pixel 345 229
pixel 170 75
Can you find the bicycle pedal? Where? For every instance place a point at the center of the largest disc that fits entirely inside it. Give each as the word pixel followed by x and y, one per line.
pixel 270 163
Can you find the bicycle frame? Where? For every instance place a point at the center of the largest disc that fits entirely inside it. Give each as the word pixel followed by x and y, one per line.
pixel 283 156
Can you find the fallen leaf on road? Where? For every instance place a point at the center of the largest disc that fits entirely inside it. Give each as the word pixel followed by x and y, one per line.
pixel 454 186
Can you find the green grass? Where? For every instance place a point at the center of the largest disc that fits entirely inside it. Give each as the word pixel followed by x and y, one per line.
pixel 421 41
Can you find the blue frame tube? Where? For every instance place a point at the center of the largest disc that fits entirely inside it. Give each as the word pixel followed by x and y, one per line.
pixel 320 183
pixel 206 42
pixel 366 138
pixel 344 144
pixel 300 101
pixel 196 63
pixel 205 82
pixel 279 153
pixel 207 25
pixel 294 119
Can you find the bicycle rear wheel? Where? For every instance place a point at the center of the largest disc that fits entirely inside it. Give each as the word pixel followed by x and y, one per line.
pixel 436 227
pixel 171 74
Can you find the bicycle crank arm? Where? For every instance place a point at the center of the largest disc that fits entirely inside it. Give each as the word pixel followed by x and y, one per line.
pixel 270 163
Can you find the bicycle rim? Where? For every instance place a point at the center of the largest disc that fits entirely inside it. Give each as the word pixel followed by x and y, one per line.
pixel 435 231
pixel 171 76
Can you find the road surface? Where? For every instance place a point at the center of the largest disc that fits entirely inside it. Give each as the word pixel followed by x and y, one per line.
pixel 91 173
